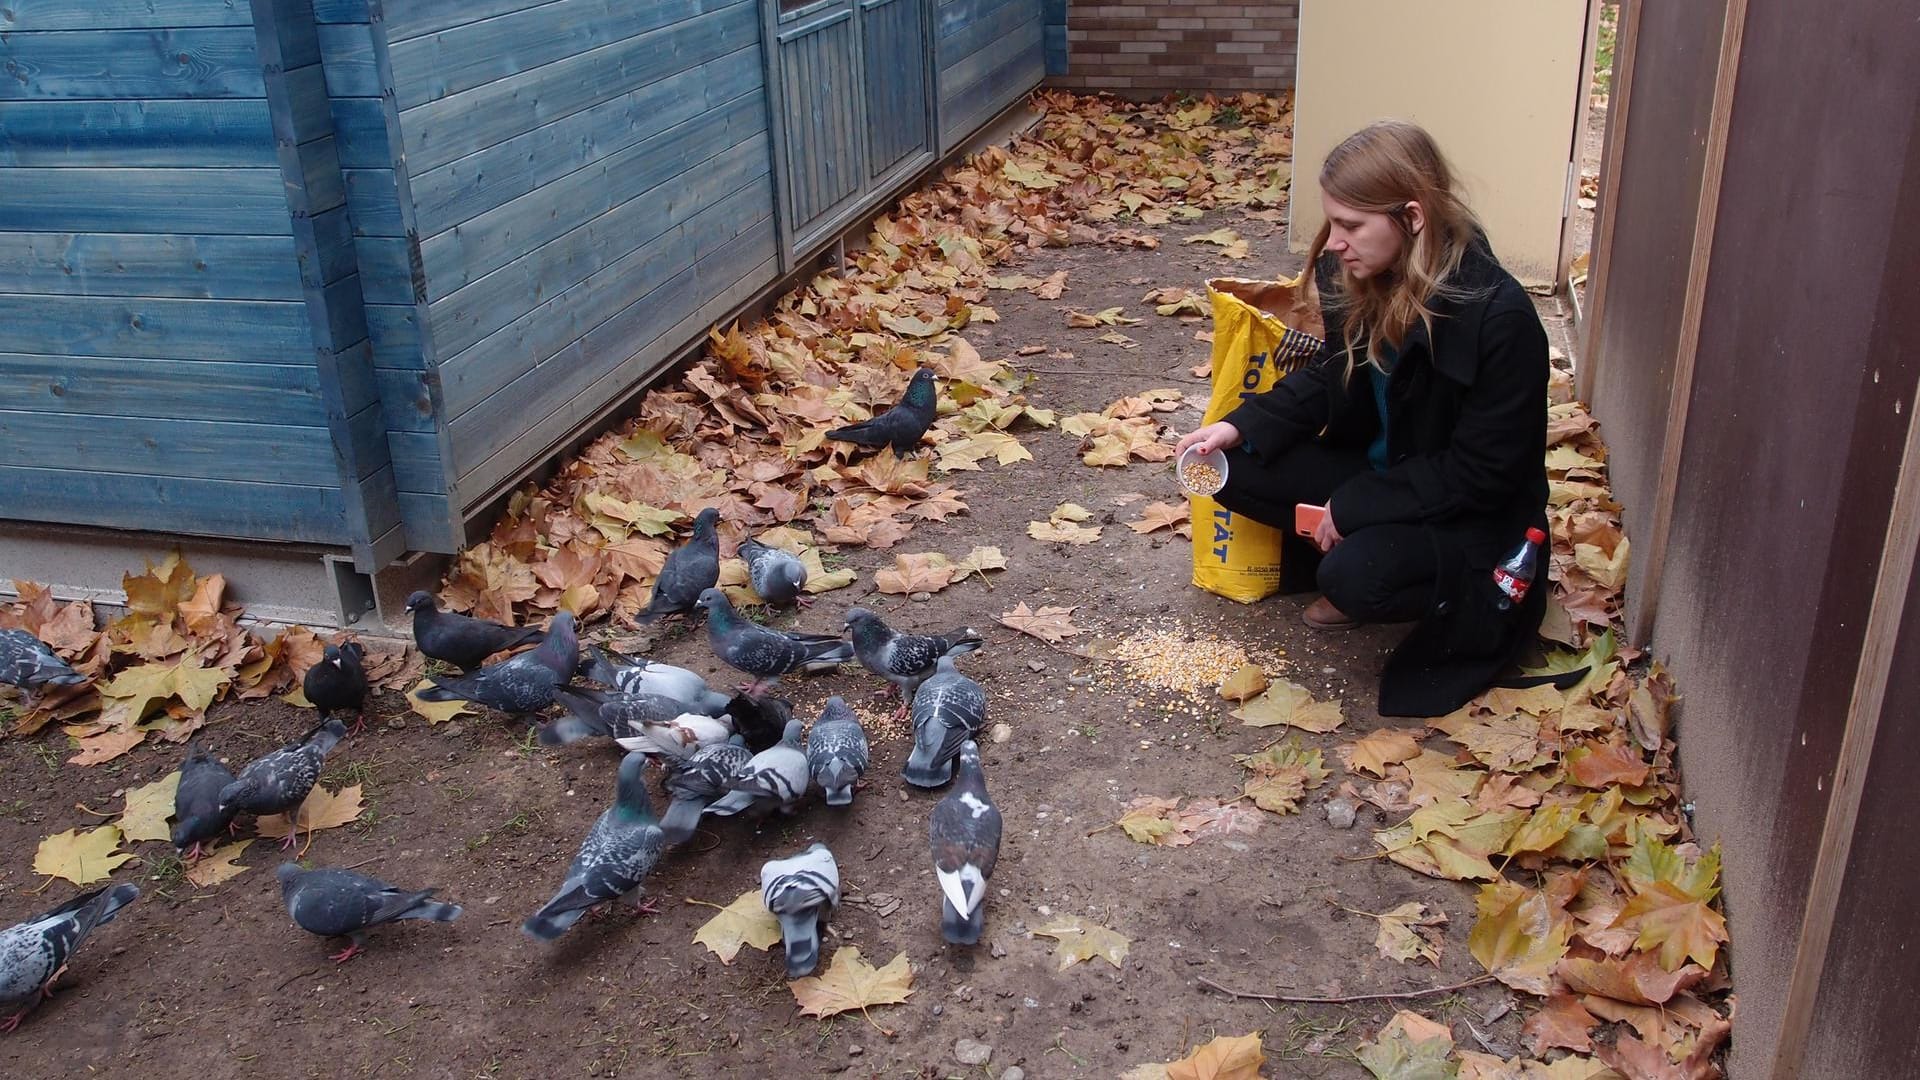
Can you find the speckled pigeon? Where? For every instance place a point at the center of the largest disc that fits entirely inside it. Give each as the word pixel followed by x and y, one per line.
pixel 837 752
pixel 341 903
pixel 777 575
pixel 690 569
pixel 462 640
pixel 35 952
pixel 632 720
pixel 279 781
pixel 615 858
pixel 522 683
pixel 695 782
pixel 901 426
pixel 338 682
pixel 775 777
pixel 903 659
pixel 634 676
pixel 760 719
pixel 762 653
pixel 948 709
pixel 802 891
pixel 27 662
pixel 197 816
pixel 964 830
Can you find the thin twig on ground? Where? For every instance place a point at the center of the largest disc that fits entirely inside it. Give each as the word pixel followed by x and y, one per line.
pixel 1349 999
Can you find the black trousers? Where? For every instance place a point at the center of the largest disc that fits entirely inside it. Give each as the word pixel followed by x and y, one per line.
pixel 1386 573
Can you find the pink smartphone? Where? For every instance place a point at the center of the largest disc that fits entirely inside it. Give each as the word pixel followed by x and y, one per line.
pixel 1307 517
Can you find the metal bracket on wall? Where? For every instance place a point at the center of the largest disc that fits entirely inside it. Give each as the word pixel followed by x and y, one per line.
pixel 352 590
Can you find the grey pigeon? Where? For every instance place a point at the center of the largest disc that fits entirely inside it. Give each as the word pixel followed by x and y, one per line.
pixel 27 662
pixel 279 781
pixel 622 717
pixel 462 640
pixel 903 659
pixel 33 953
pixel 690 569
pixel 615 858
pixel 948 709
pixel 802 891
pixel 777 575
pixel 521 684
pixel 633 676
pixel 964 830
pixel 693 783
pixel 775 777
pixel 341 903
pixel 338 682
pixel 760 719
pixel 901 426
pixel 197 815
pixel 763 653
pixel 837 752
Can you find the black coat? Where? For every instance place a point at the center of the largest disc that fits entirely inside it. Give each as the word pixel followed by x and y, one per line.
pixel 1466 444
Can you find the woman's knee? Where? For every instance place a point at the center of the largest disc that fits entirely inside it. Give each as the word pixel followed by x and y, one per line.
pixel 1359 581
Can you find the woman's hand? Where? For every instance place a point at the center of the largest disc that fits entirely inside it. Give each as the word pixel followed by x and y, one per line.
pixel 1325 535
pixel 1218 435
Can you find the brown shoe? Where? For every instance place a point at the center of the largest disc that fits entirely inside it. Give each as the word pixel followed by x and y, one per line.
pixel 1322 615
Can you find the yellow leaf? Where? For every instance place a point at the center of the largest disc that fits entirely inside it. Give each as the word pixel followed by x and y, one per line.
pixel 852 983
pixel 1063 532
pixel 746 921
pixel 218 865
pixel 1409 1047
pixel 1226 1057
pixel 80 857
pixel 1246 681
pixel 139 690
pixel 436 712
pixel 1067 511
pixel 323 810
pixel 1681 926
pixel 1159 515
pixel 982 559
pixel 1153 820
pixel 1408 931
pixel 148 807
pixel 1291 704
pixel 1049 624
pixel 1519 937
pixel 917 572
pixel 1282 775
pixel 1081 940
pixel 1380 749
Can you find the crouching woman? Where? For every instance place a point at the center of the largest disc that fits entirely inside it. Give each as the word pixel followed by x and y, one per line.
pixel 1420 426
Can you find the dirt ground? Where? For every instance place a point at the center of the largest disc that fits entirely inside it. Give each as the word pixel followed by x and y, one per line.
pixel 219 983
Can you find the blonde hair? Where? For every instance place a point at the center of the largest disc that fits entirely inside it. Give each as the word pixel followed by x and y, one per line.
pixel 1380 169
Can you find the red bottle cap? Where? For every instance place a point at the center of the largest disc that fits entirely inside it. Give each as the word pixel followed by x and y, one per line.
pixel 1536 536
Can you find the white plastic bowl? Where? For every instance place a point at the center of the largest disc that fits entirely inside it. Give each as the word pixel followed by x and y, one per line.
pixel 1190 456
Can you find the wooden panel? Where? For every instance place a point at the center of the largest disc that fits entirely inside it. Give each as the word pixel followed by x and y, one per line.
pixel 964 113
pixel 429 523
pixel 819 81
pixel 174 504
pixel 396 336
pixel 972 25
pixel 348 11
pixel 894 54
pixel 210 450
pixel 149 264
pixel 373 202
pixel 416 17
pixel 219 201
pixel 196 389
pixel 19 15
pixel 416 461
pixel 144 134
pixel 247 331
pixel 481 181
pixel 451 128
pixel 406 399
pixel 346 50
pixel 361 129
pixel 1009 29
pixel 214 62
pixel 386 276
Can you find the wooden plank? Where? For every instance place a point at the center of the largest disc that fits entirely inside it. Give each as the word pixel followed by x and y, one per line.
pixel 964 113
pixel 361 130
pixel 955 16
pixel 202 449
pixel 179 389
pixel 1606 212
pixel 341 11
pixel 373 202
pixel 385 276
pixel 243 331
pixel 395 331
pixel 428 523
pixel 406 400
pixel 894 53
pixel 986 23
pixel 416 460
pixel 211 62
pixel 1019 33
pixel 194 507
pixel 481 181
pixel 562 209
pixel 416 17
pixel 450 128
pixel 23 15
pixel 231 132
pixel 149 264
pixel 206 201
pixel 346 51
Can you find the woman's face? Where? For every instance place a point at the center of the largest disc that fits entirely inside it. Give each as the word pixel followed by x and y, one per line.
pixel 1367 243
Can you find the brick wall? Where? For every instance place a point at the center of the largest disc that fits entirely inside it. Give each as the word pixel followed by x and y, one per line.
pixel 1152 47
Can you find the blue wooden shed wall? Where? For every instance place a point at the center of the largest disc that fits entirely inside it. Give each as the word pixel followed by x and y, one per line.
pixel 989 54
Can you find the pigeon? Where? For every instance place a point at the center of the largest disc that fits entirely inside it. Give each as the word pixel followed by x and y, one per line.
pixel 964 830
pixel 279 781
pixel 653 723
pixel 696 781
pixel 776 776
pixel 522 683
pixel 35 952
pixel 777 575
pixel 903 659
pixel 763 653
pixel 691 569
pixel 27 662
pixel 901 426
pixel 341 903
pixel 609 668
pixel 948 709
pixel 462 640
pixel 616 856
pixel 801 891
pixel 837 752
pixel 338 682
pixel 197 814
pixel 760 720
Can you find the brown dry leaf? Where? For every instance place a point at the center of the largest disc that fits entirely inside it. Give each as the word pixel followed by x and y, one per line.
pixel 1562 1022
pixel 919 572
pixel 1508 744
pixel 1604 765
pixel 1379 749
pixel 1225 1057
pixel 1081 940
pixel 1409 931
pixel 1115 337
pixel 851 983
pixel 1159 515
pixel 147 809
pixel 1282 775
pixel 1049 624
pixel 1113 316
pixel 1680 925
pixel 323 810
pixel 436 712
pixel 219 865
pixel 1409 1047
pixel 1153 820
pixel 1638 980
pixel 1232 246
pixel 1519 936
pixel 1246 681
pixel 1063 532
pixel 1640 1061
pixel 980 560
pixel 1291 704
pixel 746 921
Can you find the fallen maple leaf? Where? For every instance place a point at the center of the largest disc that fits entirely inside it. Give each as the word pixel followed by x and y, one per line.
pixel 1561 1022
pixel 746 921
pixel 323 810
pixel 918 572
pixel 1519 937
pixel 1049 624
pixel 1063 532
pixel 1159 515
pixel 1637 980
pixel 1151 819
pixel 851 983
pixel 1282 775
pixel 1407 931
pixel 138 690
pixel 1291 704
pixel 1225 1057
pixel 80 857
pixel 1246 681
pixel 436 712
pixel 1409 1047
pixel 1081 940
pixel 148 808
pixel 1113 316
pixel 1681 926
pixel 1379 749
pixel 219 865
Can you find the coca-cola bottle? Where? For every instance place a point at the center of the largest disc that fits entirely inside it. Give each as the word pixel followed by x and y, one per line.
pixel 1513 576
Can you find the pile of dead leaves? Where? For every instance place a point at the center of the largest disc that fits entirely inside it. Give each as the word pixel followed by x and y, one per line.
pixel 1589 561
